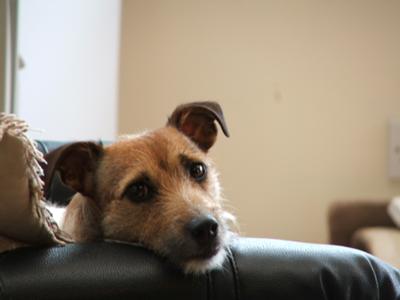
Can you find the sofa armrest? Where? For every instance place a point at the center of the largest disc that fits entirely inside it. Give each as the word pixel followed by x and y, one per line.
pixel 383 242
pixel 255 269
pixel 347 216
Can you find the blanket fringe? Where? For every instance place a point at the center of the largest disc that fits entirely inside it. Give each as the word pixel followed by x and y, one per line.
pixel 12 125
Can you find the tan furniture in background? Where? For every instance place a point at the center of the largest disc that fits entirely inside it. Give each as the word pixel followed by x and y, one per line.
pixel 365 225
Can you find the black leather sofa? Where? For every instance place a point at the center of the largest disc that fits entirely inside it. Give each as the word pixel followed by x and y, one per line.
pixel 255 269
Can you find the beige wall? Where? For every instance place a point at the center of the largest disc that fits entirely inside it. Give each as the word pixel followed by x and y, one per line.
pixel 307 88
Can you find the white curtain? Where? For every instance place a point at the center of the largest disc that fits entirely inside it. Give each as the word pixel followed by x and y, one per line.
pixel 8 54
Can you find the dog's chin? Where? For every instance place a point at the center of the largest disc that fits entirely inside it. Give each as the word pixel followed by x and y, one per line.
pixel 200 265
pixel 209 260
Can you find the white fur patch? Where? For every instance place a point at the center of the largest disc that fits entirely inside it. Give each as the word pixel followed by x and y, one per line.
pixel 57 213
pixel 199 266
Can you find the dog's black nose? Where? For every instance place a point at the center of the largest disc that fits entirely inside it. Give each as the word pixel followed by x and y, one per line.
pixel 203 229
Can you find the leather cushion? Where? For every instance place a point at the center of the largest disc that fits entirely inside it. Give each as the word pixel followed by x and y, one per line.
pixel 257 269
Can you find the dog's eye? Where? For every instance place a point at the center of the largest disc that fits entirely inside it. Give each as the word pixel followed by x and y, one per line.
pixel 139 192
pixel 198 171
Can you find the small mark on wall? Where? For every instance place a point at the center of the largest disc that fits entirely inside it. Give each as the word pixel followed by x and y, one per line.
pixel 277 94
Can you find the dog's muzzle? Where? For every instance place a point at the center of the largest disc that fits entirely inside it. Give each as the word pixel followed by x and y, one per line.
pixel 204 231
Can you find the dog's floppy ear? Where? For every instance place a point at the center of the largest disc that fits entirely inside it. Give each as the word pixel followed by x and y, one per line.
pixel 77 163
pixel 197 121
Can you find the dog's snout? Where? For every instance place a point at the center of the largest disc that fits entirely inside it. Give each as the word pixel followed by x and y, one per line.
pixel 203 229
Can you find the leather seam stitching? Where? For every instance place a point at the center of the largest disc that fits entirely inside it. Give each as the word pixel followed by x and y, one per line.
pixel 378 290
pixel 322 283
pixel 2 289
pixel 235 274
pixel 209 286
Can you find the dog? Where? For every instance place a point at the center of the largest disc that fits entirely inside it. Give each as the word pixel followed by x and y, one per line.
pixel 158 188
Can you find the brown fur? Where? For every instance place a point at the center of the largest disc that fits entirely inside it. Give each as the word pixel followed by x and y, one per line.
pixel 101 176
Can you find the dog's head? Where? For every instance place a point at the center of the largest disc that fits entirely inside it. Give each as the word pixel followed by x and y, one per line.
pixel 159 188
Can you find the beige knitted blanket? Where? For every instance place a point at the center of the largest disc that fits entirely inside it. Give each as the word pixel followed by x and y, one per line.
pixel 24 219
